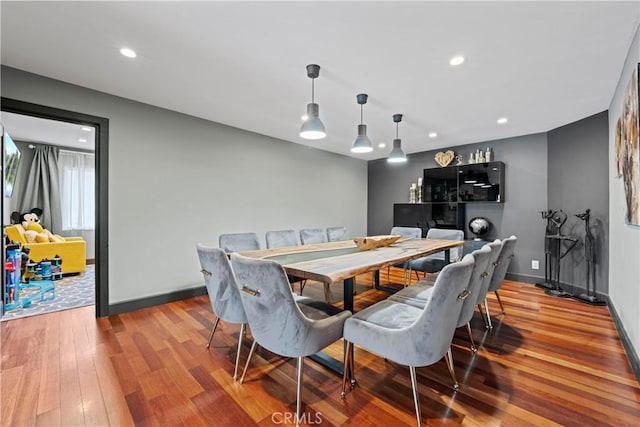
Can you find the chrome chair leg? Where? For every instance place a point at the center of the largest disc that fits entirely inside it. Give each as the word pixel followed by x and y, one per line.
pixel 473 347
pixel 346 367
pixel 299 390
pixel 246 365
pixel 499 301
pixel 486 311
pixel 484 317
pixel 414 387
pixel 213 331
pixel 243 329
pixel 449 358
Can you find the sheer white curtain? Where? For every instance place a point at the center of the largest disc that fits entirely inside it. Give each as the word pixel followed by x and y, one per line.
pixel 77 188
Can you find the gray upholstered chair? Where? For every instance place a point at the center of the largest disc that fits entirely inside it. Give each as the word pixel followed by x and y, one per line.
pixel 281 238
pixel 409 335
pixel 435 262
pixel 309 236
pixel 277 322
pixel 500 271
pixel 481 296
pixel 284 238
pixel 337 234
pixel 412 233
pixel 235 242
pixel 419 295
pixel 223 293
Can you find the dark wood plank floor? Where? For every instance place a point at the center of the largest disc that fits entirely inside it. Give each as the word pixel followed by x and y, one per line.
pixel 548 361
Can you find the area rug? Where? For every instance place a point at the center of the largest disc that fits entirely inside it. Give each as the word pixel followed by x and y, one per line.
pixel 71 292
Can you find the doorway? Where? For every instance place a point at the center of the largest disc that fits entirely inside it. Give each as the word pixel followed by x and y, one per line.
pixel 100 127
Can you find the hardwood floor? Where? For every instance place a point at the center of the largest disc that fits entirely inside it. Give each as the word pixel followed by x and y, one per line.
pixel 548 361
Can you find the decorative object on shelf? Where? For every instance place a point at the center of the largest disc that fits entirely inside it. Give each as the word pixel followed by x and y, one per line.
pixel 313 128
pixel 487 155
pixel 412 193
pixel 459 159
pixel 362 143
pixel 479 226
pixel 397 155
pixel 479 156
pixel 373 242
pixel 590 258
pixel 443 159
pixel 419 191
pixel 472 158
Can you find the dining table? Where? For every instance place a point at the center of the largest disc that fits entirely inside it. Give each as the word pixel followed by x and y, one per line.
pixel 342 261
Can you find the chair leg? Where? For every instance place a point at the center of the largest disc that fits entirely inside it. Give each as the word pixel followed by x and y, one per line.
pixel 302 285
pixel 213 331
pixel 299 390
pixel 414 387
pixel 246 365
pixel 486 311
pixel 243 329
pixel 484 318
pixel 499 301
pixel 449 358
pixel 473 347
pixel 347 363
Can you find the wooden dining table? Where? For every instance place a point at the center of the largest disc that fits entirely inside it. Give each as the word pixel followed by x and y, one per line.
pixel 335 262
pixel 342 261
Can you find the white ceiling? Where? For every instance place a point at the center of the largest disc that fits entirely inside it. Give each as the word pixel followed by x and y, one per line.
pixel 541 64
pixel 45 131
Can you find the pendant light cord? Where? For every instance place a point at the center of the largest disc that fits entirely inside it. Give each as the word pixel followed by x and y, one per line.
pixel 361 120
pixel 313 91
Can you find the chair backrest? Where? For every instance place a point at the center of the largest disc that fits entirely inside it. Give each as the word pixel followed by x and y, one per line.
pixel 412 232
pixel 500 270
pixel 337 234
pixel 221 284
pixel 235 242
pixel 478 276
pixel 276 322
pixel 281 238
pixel 312 235
pixel 446 234
pixel 431 334
pixel 496 248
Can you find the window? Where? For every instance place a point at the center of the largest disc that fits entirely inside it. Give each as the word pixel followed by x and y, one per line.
pixel 77 190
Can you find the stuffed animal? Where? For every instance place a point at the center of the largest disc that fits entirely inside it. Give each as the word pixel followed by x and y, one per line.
pixel 34 232
pixel 33 216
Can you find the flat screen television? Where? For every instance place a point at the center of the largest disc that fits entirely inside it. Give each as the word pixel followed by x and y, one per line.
pixel 11 161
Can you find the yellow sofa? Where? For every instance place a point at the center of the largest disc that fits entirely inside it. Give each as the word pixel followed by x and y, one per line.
pixel 73 250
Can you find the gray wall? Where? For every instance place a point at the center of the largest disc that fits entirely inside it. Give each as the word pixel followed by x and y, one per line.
pixel 175 180
pixel 578 179
pixel 525 159
pixel 624 271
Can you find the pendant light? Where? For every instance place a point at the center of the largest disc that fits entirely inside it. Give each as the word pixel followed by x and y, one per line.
pixel 312 128
pixel 397 155
pixel 362 144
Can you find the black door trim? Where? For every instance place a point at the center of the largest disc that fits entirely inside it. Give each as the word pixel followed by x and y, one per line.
pixel 101 125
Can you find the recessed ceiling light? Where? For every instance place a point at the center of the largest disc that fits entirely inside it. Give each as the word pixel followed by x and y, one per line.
pixel 82 140
pixel 129 53
pixel 382 145
pixel 502 120
pixel 87 128
pixel 456 60
pixel 432 135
